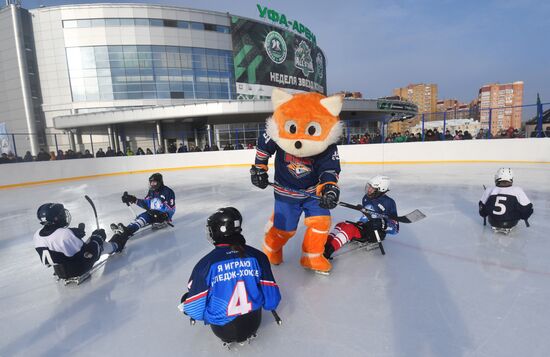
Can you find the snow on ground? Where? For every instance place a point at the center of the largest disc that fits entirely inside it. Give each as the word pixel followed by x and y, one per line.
pixel 447 286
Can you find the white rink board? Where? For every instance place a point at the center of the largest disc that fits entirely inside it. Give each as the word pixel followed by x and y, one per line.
pixel 511 150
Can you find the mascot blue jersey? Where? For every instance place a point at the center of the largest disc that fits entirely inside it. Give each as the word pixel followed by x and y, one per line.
pixel 385 205
pixel 298 173
pixel 224 286
pixel 162 200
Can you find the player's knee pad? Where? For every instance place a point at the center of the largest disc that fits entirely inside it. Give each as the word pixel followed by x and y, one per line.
pixel 319 223
pixel 276 238
pixel 316 234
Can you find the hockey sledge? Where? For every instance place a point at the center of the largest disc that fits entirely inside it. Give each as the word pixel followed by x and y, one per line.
pixel 77 280
pixel 504 231
pixel 355 246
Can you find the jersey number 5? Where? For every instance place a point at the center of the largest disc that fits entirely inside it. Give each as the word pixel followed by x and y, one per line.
pixel 239 304
pixel 500 205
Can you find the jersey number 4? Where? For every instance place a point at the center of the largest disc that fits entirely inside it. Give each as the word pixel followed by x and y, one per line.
pixel 47 258
pixel 499 203
pixel 239 304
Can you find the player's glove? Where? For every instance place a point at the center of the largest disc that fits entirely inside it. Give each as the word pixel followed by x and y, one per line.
pixel 184 297
pixel 99 233
pixel 482 210
pixel 259 177
pixel 369 228
pixel 376 224
pixel 158 216
pixel 329 196
pixel 126 198
pixel 80 231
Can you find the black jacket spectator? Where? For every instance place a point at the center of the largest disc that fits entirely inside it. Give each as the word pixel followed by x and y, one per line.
pixel 109 153
pixel 182 148
pixel 28 157
pixel 87 155
pixel 140 151
pixel 4 159
pixel 172 148
pixel 100 153
pixel 148 152
pixel 43 156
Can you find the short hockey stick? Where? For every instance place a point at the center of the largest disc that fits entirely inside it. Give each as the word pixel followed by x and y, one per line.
pixel 277 318
pixel 410 217
pixel 93 207
pixel 484 218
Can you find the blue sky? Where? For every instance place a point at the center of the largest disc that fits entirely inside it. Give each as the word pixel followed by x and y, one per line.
pixel 374 46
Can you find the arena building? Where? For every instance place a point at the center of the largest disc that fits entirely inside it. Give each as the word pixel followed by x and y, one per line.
pixel 155 76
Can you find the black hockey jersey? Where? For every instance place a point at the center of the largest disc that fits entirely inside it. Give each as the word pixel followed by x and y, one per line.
pixel 63 250
pixel 505 204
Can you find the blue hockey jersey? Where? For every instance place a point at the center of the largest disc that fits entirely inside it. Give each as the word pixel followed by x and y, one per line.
pixel 223 286
pixel 162 200
pixel 384 205
pixel 298 173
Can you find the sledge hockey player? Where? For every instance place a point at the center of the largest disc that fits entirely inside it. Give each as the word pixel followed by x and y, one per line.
pixel 230 285
pixel 366 229
pixel 302 132
pixel 159 203
pixel 504 205
pixel 63 248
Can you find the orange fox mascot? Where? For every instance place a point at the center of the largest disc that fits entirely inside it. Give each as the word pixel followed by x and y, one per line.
pixel 302 133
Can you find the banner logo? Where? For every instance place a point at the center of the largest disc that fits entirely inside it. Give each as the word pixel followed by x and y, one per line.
pixel 275 46
pixel 302 58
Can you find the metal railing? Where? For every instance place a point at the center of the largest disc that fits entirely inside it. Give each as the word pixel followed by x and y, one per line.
pixel 448 125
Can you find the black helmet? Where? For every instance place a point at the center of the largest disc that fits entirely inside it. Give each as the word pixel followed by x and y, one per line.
pixel 224 223
pixel 53 214
pixel 158 179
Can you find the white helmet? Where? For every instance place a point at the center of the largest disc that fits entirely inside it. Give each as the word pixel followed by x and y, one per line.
pixel 380 183
pixel 504 174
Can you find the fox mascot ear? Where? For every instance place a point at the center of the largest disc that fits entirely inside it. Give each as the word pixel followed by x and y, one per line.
pixel 333 104
pixel 279 97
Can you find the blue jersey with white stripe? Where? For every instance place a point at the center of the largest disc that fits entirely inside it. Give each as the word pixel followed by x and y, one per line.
pixel 223 286
pixel 298 173
pixel 385 205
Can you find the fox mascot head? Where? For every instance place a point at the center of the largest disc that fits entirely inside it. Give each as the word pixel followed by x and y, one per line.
pixel 304 124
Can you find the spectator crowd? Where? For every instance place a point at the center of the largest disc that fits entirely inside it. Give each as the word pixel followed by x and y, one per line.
pixel 366 138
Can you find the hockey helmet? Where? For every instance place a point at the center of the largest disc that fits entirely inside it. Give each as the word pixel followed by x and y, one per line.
pixel 504 174
pixel 224 223
pixel 53 214
pixel 155 181
pixel 380 184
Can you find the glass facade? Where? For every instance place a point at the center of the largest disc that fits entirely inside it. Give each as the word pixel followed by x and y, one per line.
pixel 150 72
pixel 118 22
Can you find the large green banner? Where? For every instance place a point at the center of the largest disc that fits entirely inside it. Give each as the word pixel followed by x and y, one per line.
pixel 266 56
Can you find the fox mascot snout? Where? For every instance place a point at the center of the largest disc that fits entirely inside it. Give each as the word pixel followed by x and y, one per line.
pixel 302 134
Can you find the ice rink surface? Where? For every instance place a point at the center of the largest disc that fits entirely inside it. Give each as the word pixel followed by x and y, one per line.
pixel 448 286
